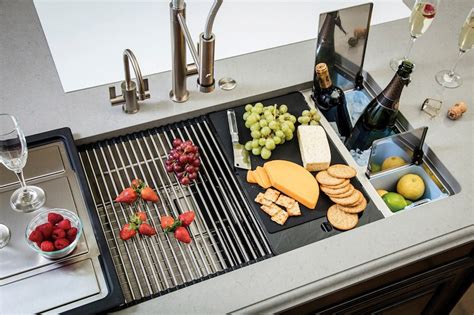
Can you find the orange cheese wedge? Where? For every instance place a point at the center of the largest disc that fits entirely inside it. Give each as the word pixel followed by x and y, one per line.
pixel 251 177
pixel 294 181
pixel 262 177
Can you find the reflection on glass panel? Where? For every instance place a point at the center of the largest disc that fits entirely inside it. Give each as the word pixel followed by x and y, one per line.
pixel 342 39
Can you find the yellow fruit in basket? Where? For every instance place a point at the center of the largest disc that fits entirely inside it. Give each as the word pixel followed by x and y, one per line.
pixel 392 162
pixel 411 186
pixel 381 192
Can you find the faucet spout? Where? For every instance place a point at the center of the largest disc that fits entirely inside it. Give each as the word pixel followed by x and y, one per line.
pixel 210 18
pixel 129 57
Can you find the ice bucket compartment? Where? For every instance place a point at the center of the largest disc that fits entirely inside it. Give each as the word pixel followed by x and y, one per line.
pixel 388 181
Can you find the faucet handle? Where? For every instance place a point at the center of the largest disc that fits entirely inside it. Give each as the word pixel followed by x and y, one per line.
pixel 146 92
pixel 114 99
pixel 112 92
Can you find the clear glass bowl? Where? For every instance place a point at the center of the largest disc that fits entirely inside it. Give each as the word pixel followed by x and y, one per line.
pixel 41 218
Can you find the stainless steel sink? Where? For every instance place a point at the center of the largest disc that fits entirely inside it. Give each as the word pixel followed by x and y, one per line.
pixel 30 283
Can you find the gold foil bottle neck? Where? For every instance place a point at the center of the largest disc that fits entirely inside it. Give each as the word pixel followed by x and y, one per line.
pixel 323 75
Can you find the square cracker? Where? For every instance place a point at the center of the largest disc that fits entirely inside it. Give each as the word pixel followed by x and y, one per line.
pixel 261 200
pixel 271 194
pixel 294 210
pixel 280 217
pixel 285 201
pixel 271 210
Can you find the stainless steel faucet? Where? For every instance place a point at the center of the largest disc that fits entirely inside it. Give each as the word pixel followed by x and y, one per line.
pixel 130 96
pixel 203 56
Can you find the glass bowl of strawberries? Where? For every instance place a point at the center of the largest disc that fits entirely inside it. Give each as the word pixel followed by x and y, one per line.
pixel 54 233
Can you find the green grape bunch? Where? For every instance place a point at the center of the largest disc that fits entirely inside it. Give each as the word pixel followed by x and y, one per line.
pixel 309 117
pixel 269 126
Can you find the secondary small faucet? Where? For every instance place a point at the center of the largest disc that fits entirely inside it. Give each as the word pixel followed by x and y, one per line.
pixel 203 56
pixel 130 97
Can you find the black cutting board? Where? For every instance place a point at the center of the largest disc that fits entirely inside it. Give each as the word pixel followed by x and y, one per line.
pixel 288 151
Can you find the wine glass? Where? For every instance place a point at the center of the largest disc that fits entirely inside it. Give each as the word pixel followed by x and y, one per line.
pixel 422 15
pixel 449 78
pixel 13 154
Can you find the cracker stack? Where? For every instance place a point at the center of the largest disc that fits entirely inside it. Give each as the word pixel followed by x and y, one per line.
pixel 335 183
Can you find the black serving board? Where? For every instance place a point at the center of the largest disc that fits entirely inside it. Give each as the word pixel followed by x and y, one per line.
pixel 288 151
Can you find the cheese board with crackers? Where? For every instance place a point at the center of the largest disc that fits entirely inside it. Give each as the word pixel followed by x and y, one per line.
pixel 284 190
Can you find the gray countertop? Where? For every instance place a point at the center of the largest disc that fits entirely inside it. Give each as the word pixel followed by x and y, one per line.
pixel 32 91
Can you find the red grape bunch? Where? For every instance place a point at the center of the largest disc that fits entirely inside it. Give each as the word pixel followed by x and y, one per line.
pixel 183 160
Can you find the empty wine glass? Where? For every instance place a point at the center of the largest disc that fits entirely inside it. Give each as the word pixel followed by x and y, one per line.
pixel 13 154
pixel 422 15
pixel 449 78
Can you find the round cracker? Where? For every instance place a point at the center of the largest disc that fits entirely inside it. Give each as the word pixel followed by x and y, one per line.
pixel 343 195
pixel 341 171
pixel 334 192
pixel 358 208
pixel 348 201
pixel 341 220
pixel 344 184
pixel 324 178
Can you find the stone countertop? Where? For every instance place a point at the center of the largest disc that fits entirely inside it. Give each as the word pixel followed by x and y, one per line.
pixel 32 91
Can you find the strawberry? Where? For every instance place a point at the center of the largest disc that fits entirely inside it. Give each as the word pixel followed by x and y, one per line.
pixel 54 217
pixel 167 222
pixel 138 185
pixel 61 243
pixel 146 229
pixel 186 218
pixel 47 246
pixel 128 231
pixel 64 224
pixel 128 195
pixel 46 229
pixel 141 216
pixel 36 236
pixel 58 233
pixel 71 234
pixel 138 218
pixel 149 194
pixel 182 235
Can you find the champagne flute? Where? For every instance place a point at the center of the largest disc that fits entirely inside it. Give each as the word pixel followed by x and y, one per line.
pixel 13 154
pixel 422 15
pixel 449 78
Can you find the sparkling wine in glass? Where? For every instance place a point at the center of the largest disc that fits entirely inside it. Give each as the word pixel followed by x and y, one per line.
pixel 14 154
pixel 422 15
pixel 449 78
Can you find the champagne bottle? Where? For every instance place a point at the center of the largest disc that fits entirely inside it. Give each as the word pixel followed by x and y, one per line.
pixel 331 101
pixel 379 116
pixel 325 49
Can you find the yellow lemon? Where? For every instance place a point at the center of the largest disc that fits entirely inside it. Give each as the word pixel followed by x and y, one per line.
pixel 392 162
pixel 411 186
pixel 381 192
pixel 394 201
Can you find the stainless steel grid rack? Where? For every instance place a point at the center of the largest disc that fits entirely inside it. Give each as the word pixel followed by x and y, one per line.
pixel 225 233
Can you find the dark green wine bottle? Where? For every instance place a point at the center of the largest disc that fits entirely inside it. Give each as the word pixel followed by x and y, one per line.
pixel 379 116
pixel 331 101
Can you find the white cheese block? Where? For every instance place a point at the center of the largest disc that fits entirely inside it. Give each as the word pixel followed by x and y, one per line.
pixel 314 148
